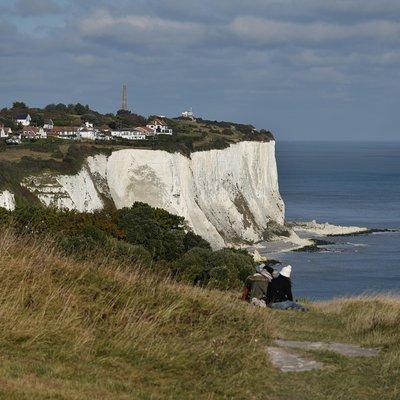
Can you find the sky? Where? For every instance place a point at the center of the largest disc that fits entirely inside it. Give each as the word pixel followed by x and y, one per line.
pixel 304 69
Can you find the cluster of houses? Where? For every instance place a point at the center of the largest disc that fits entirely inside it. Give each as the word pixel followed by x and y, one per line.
pixel 86 132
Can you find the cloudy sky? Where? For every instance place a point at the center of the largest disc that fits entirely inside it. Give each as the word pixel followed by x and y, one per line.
pixel 305 69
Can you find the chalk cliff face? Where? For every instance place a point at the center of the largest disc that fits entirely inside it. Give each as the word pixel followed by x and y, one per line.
pixel 227 196
pixel 7 200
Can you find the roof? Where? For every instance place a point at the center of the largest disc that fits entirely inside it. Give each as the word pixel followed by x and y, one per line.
pixel 157 122
pixel 22 116
pixel 30 129
pixel 49 122
pixel 144 129
pixel 59 129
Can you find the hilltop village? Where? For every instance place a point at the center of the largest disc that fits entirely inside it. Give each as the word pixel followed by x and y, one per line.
pixel 25 128
pixel 55 124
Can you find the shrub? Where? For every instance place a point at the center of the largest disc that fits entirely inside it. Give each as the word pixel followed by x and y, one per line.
pixel 135 254
pixel 223 278
pixel 192 240
pixel 158 231
pixel 193 267
pixel 223 269
pixel 241 264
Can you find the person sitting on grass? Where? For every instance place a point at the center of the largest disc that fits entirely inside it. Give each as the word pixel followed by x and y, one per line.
pixel 256 285
pixel 279 293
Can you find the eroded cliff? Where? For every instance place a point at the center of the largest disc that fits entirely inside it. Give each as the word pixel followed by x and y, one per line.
pixel 227 196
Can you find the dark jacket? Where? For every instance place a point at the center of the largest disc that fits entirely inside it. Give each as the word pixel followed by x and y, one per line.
pixel 280 289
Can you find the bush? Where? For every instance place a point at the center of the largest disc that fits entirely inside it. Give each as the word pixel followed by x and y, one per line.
pixel 140 235
pixel 192 240
pixel 124 251
pixel 223 278
pixel 158 231
pixel 241 264
pixel 224 269
pixel 193 267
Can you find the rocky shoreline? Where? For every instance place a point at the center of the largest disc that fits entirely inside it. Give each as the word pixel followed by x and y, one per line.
pixel 311 237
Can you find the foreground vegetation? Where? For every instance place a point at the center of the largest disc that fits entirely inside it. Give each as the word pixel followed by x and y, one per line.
pixel 158 240
pixel 107 329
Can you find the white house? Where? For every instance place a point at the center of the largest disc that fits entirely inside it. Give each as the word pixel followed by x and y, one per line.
pixel 128 134
pixel 188 114
pixel 103 136
pixel 32 132
pixel 88 132
pixel 148 132
pixel 48 124
pixel 42 133
pixel 5 132
pixel 159 127
pixel 24 119
pixel 66 132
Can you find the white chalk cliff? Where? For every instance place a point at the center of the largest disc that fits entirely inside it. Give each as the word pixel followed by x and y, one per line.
pixel 7 200
pixel 227 196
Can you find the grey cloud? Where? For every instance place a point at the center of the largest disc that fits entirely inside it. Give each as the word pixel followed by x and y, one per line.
pixel 27 8
pixel 266 31
pixel 252 61
pixel 141 29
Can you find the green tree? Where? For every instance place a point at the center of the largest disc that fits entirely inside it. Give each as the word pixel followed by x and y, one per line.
pixel 80 109
pixel 37 119
pixel 192 240
pixel 141 227
pixel 19 105
pixel 193 267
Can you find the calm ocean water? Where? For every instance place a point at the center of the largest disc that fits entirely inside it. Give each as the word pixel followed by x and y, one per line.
pixel 348 184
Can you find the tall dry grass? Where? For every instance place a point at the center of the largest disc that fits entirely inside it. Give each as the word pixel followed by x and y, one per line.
pixel 372 319
pixel 102 329
pixel 99 312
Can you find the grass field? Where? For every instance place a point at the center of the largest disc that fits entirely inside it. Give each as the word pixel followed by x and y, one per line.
pixel 105 330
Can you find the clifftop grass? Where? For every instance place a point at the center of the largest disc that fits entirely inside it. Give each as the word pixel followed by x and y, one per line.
pixel 101 329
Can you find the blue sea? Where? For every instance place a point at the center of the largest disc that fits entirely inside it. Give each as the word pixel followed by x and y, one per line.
pixel 348 184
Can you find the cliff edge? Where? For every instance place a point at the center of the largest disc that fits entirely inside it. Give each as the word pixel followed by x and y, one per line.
pixel 227 196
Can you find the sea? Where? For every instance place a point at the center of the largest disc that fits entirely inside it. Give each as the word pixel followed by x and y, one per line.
pixel 344 183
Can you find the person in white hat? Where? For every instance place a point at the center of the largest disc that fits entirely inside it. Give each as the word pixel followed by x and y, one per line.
pixel 279 293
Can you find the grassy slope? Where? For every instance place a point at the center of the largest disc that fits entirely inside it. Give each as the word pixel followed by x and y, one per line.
pixel 97 330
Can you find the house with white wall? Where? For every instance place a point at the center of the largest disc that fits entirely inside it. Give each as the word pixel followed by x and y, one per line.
pixel 129 134
pixel 5 132
pixel 148 132
pixel 33 132
pixel 189 114
pixel 159 127
pixel 48 124
pixel 88 132
pixel 65 132
pixel 24 119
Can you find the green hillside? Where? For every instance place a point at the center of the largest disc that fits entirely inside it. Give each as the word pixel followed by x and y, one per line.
pixel 105 329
